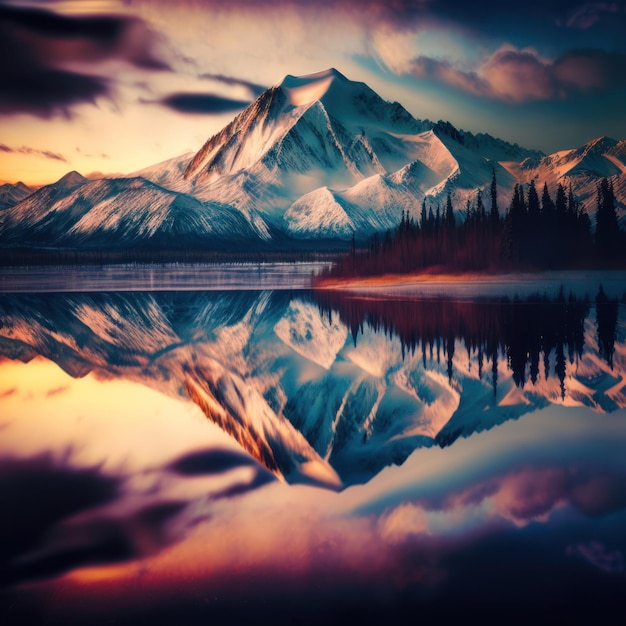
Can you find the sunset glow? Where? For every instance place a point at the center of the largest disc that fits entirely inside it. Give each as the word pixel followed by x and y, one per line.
pixel 149 80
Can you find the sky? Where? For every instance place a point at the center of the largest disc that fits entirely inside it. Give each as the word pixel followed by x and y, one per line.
pixel 112 86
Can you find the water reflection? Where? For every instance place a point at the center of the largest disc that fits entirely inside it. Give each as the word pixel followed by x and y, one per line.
pixel 124 510
pixel 526 332
pixel 329 388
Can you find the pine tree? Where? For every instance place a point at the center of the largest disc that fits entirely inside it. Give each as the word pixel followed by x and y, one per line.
pixel 572 204
pixel 534 209
pixel 547 206
pixel 607 229
pixel 449 215
pixel 495 212
pixel 560 204
pixel 516 227
pixel 423 218
pixel 548 228
pixel 480 207
pixel 534 245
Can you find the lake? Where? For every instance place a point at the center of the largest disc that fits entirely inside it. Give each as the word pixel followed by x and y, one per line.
pixel 203 445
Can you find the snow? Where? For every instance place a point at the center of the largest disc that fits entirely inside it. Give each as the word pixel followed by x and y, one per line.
pixel 315 156
pixel 10 194
pixel 304 330
pixel 319 214
pixel 303 90
pixel 71 180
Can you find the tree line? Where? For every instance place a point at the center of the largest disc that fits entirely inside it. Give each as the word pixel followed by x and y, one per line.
pixel 15 257
pixel 535 233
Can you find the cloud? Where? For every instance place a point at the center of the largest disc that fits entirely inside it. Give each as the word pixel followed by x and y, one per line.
pixel 45 48
pixel 254 88
pixel 492 16
pixel 519 76
pixel 57 390
pixel 588 14
pixel 403 13
pixel 206 103
pixel 590 69
pixel 533 493
pixel 47 154
pixel 611 561
pixel 211 461
pixel 63 517
pixel 8 392
pixel 40 494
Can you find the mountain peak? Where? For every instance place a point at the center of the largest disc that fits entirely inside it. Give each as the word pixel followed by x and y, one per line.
pixel 302 90
pixel 598 145
pixel 71 179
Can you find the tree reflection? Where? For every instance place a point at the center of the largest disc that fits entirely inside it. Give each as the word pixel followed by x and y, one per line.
pixel 526 332
pixel 606 324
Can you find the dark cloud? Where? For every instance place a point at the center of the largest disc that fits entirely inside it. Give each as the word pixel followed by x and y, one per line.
pixel 41 44
pixel 495 13
pixel 254 88
pixel 534 492
pixel 38 495
pixel 211 461
pixel 55 156
pixel 521 76
pixel 611 561
pixel 261 478
pixel 482 16
pixel 217 462
pixel 587 14
pixel 55 522
pixel 59 519
pixel 207 103
pixel 589 69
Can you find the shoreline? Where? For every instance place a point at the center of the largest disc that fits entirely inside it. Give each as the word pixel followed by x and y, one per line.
pixel 476 284
pixel 404 280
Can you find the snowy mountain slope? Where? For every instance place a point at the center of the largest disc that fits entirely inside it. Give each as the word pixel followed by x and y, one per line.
pixel 323 119
pixel 375 204
pixel 313 157
pixel 582 168
pixel 37 217
pixel 371 206
pixel 298 157
pixel 75 211
pixel 290 154
pixel 10 194
pixel 301 135
pixel 485 145
pixel 168 173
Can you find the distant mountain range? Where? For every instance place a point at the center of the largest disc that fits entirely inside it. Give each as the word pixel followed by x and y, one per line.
pixel 315 157
pixel 10 194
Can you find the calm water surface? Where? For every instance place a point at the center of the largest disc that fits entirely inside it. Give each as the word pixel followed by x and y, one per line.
pixel 196 451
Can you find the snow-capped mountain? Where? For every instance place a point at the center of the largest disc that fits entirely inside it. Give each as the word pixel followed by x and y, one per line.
pixel 314 157
pixel 10 194
pixel 323 156
pixel 75 211
pixel 581 168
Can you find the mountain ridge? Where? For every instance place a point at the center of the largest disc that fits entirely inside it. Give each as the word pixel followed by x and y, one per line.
pixel 314 157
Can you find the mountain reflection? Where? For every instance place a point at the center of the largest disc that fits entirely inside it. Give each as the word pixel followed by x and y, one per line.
pixel 330 388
